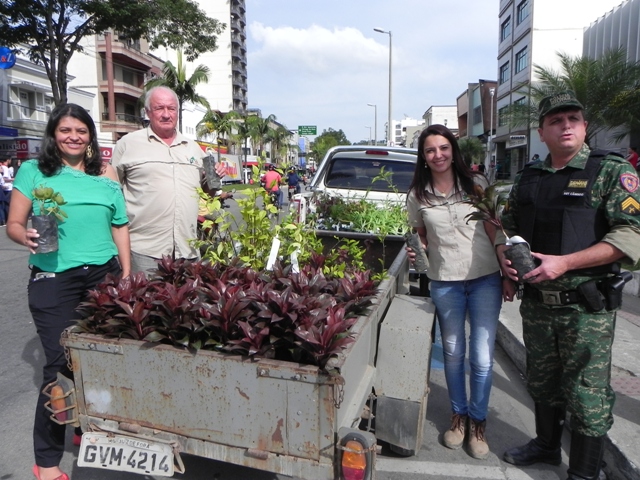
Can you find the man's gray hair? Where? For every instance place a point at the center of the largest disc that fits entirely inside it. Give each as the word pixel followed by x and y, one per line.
pixel 149 94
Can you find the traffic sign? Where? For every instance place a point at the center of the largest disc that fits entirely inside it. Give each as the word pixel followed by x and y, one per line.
pixel 7 58
pixel 307 130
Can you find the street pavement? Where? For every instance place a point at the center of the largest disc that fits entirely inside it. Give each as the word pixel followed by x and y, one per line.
pixel 510 421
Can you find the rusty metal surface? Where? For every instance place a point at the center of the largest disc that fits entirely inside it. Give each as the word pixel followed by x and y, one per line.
pixel 267 414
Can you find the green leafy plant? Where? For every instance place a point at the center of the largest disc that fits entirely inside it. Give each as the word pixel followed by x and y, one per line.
pixel 488 204
pixel 49 202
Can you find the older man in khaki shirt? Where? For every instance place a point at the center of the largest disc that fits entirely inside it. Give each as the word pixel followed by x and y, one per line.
pixel 160 170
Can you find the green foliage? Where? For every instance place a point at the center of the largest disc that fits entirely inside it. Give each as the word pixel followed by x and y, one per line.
pixel 50 31
pixel 608 88
pixel 472 149
pixel 49 202
pixel 327 139
pixel 488 204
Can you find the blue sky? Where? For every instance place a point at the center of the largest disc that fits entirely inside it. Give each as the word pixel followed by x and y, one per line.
pixel 320 62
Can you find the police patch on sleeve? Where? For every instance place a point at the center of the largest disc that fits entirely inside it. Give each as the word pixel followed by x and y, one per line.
pixel 630 206
pixel 629 182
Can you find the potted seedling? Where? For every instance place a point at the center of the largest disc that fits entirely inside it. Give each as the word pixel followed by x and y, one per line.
pixel 46 222
pixel 488 204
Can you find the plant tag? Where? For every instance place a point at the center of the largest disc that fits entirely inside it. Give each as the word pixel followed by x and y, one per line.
pixel 295 266
pixel 273 255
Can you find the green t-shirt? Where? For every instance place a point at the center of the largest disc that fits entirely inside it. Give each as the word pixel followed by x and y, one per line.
pixel 93 205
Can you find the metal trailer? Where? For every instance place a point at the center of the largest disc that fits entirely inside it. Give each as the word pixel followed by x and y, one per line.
pixel 276 416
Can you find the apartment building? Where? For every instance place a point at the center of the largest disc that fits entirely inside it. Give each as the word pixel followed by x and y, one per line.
pixel 227 86
pixel 530 33
pixel 476 106
pixel 619 27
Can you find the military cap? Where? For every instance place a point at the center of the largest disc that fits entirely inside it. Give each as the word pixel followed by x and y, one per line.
pixel 557 101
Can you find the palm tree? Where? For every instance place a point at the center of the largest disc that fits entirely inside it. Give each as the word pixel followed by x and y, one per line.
pixel 242 134
pixel 175 77
pixel 219 123
pixel 259 129
pixel 608 88
pixel 279 139
pixel 472 150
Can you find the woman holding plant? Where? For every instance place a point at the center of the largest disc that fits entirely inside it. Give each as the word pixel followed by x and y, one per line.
pixel 464 278
pixel 69 182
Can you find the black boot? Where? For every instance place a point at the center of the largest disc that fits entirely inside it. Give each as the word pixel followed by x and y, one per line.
pixel 585 458
pixel 545 448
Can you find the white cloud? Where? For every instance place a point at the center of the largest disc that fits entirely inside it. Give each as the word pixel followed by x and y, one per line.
pixel 316 50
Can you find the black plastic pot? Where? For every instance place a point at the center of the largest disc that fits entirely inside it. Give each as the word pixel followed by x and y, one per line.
pixel 213 180
pixel 47 228
pixel 521 259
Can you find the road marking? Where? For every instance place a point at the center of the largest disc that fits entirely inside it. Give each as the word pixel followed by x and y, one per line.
pixel 455 470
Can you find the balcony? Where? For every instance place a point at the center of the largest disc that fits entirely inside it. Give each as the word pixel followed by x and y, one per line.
pixel 125 53
pixel 123 123
pixel 120 88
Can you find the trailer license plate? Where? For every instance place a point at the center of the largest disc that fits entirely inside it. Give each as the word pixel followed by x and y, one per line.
pixel 125 454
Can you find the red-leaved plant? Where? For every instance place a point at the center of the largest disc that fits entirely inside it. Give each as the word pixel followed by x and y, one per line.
pixel 303 317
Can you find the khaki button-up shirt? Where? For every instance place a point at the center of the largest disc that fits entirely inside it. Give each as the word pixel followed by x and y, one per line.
pixel 457 250
pixel 159 183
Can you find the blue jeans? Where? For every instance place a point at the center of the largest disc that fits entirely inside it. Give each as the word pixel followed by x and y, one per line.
pixel 481 299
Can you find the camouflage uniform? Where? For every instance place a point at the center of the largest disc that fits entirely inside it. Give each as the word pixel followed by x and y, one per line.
pixel 576 373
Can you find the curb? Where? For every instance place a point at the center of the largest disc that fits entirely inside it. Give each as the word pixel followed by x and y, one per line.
pixel 618 466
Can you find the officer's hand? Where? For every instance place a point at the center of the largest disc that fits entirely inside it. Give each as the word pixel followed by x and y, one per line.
pixel 550 268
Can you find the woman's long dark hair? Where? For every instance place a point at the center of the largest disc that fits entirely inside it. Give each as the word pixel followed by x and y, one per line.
pixel 49 161
pixel 422 176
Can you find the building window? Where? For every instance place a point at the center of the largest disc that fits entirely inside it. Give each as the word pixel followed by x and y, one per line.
pixel 505 29
pixel 523 11
pixel 503 116
pixel 521 60
pixel 520 101
pixel 504 73
pixel 477 115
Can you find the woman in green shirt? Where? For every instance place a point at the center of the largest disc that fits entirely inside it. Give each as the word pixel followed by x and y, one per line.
pixel 93 241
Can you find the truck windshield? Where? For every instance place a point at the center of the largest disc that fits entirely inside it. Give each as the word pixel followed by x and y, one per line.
pixel 358 174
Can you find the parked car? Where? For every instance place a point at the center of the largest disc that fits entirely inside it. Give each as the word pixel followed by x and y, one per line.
pixel 349 171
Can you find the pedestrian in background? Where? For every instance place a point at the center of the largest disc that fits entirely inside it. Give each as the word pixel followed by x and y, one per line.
pixel 464 277
pixel 160 170
pixel 93 236
pixel 580 212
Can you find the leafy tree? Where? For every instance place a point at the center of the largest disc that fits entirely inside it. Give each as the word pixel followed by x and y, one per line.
pixel 175 77
pixel 259 130
pixel 323 142
pixel 219 123
pixel 472 149
pixel 279 139
pixel 52 29
pixel 608 88
pixel 242 133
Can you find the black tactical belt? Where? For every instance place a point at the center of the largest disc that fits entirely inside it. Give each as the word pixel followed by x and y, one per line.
pixel 552 297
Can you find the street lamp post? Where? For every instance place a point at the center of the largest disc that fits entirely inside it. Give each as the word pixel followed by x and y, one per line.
pixel 389 125
pixel 375 122
pixel 369 134
pixel 487 167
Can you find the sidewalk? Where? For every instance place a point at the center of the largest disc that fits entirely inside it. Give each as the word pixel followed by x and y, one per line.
pixel 622 454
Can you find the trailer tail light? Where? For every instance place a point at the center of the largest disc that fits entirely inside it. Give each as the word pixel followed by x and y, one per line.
pixel 354 461
pixel 357 449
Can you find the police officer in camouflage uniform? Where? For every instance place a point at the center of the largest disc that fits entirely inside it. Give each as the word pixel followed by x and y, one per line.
pixel 580 212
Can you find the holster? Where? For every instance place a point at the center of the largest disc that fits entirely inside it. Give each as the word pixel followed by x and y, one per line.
pixel 605 293
pixel 593 298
